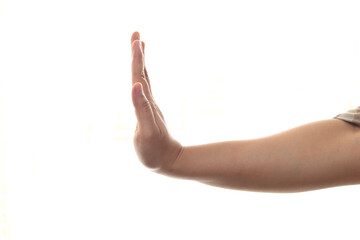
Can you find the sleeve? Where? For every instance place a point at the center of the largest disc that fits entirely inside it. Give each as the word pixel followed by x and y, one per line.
pixel 351 116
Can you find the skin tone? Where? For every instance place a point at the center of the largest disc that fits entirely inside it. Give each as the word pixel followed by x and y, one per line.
pixel 313 156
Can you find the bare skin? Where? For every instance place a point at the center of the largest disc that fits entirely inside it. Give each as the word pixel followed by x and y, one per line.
pixel 316 155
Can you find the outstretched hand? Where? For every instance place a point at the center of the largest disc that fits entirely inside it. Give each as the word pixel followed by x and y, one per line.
pixel 154 146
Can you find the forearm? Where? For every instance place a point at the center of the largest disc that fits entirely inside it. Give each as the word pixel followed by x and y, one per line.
pixel 316 155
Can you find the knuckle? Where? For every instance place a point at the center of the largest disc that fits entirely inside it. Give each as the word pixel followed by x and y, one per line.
pixel 146 106
pixel 157 109
pixel 139 75
pixel 153 104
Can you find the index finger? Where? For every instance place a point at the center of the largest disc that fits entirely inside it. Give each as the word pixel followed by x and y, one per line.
pixel 138 65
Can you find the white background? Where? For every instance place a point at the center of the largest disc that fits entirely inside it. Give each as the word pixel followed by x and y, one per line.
pixel 220 70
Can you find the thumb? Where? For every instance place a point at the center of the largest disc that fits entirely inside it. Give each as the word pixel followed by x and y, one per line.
pixel 143 110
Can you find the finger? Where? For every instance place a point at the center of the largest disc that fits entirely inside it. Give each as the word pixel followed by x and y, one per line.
pixel 137 58
pixel 155 107
pixel 148 81
pixel 145 71
pixel 144 113
pixel 135 36
pixel 138 69
pixel 143 47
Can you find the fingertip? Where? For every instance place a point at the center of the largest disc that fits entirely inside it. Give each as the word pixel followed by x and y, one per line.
pixel 135 36
pixel 138 89
pixel 138 94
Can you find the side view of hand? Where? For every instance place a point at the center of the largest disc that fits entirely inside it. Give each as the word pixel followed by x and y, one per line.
pixel 154 146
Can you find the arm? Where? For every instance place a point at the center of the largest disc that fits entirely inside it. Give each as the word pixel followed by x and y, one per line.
pixel 313 156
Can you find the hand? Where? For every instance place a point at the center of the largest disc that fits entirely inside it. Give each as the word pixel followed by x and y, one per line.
pixel 154 146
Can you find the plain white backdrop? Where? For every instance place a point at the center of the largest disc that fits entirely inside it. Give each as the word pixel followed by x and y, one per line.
pixel 220 70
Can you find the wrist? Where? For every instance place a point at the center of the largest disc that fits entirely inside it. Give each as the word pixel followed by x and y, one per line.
pixel 174 155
